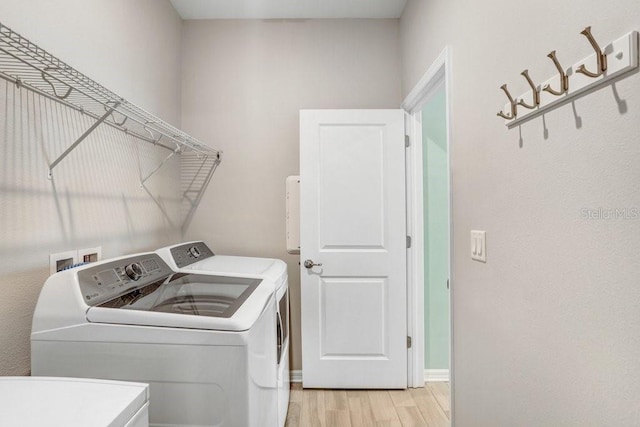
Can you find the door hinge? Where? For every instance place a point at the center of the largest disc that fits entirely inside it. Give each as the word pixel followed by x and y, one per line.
pixel 408 342
pixel 408 242
pixel 407 141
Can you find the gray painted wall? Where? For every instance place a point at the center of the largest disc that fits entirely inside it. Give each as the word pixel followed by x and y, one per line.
pixel 94 198
pixel 546 332
pixel 243 85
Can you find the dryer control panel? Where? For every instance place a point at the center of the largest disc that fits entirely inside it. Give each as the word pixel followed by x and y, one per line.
pixel 104 282
pixel 189 253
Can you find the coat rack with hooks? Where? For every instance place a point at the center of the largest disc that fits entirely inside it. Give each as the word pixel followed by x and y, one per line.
pixel 30 67
pixel 604 65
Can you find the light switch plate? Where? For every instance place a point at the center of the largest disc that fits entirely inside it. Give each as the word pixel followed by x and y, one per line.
pixel 479 245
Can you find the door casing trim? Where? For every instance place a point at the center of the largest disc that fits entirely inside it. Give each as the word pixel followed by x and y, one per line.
pixel 438 74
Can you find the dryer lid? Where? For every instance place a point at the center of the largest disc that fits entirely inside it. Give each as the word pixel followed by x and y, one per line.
pixel 273 269
pixel 235 264
pixel 197 256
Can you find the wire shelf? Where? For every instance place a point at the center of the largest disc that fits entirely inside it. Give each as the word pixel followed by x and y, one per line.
pixel 27 65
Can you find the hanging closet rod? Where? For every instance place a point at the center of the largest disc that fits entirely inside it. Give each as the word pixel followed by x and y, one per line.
pixel 78 109
pixel 27 65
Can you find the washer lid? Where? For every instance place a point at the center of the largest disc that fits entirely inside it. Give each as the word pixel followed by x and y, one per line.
pixel 196 301
pixel 69 402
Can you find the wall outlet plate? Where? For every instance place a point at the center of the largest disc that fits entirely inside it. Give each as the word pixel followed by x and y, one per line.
pixel 61 260
pixel 479 245
pixel 90 254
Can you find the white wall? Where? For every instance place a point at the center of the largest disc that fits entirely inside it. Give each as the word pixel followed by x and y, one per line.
pixel 546 332
pixel 94 198
pixel 243 84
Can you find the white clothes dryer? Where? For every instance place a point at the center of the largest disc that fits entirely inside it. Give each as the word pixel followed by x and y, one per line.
pixel 196 256
pixel 72 402
pixel 205 344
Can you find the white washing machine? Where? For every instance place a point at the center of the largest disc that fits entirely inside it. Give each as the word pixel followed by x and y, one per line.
pixel 198 257
pixel 205 344
pixel 72 402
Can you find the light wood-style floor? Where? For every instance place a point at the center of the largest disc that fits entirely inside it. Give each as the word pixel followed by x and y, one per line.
pixel 427 406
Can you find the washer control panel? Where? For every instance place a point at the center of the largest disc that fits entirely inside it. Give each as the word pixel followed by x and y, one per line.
pixel 134 271
pixel 189 253
pixel 106 281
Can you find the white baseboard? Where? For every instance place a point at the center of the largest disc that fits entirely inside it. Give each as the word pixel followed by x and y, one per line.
pixel 436 375
pixel 295 376
pixel 430 375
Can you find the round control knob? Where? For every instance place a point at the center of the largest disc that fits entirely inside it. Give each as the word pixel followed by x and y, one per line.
pixel 194 252
pixel 134 271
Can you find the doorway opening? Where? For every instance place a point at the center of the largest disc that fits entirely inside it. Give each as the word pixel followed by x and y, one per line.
pixel 429 213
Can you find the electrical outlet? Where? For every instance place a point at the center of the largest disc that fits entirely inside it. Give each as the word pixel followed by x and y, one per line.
pixel 90 254
pixel 62 260
pixel 479 245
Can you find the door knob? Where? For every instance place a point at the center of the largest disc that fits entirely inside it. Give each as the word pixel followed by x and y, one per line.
pixel 310 264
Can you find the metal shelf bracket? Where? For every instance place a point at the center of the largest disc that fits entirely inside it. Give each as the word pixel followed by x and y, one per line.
pixel 166 159
pixel 80 139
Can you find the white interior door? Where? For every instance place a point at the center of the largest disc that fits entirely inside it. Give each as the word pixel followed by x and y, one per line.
pixel 353 223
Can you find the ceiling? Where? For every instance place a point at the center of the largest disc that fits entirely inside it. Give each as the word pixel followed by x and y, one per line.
pixel 288 9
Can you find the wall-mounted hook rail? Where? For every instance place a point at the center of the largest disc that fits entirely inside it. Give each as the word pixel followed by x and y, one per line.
pixel 564 79
pixel 534 91
pixel 601 57
pixel 619 58
pixel 512 107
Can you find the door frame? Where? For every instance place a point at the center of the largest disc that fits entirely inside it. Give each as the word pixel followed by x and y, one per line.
pixel 438 75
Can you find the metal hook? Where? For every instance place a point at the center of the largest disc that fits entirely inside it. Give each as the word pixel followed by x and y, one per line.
pixel 153 137
pixel 55 92
pixel 564 79
pixel 600 56
pixel 113 117
pixel 513 104
pixel 536 92
pixel 117 122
